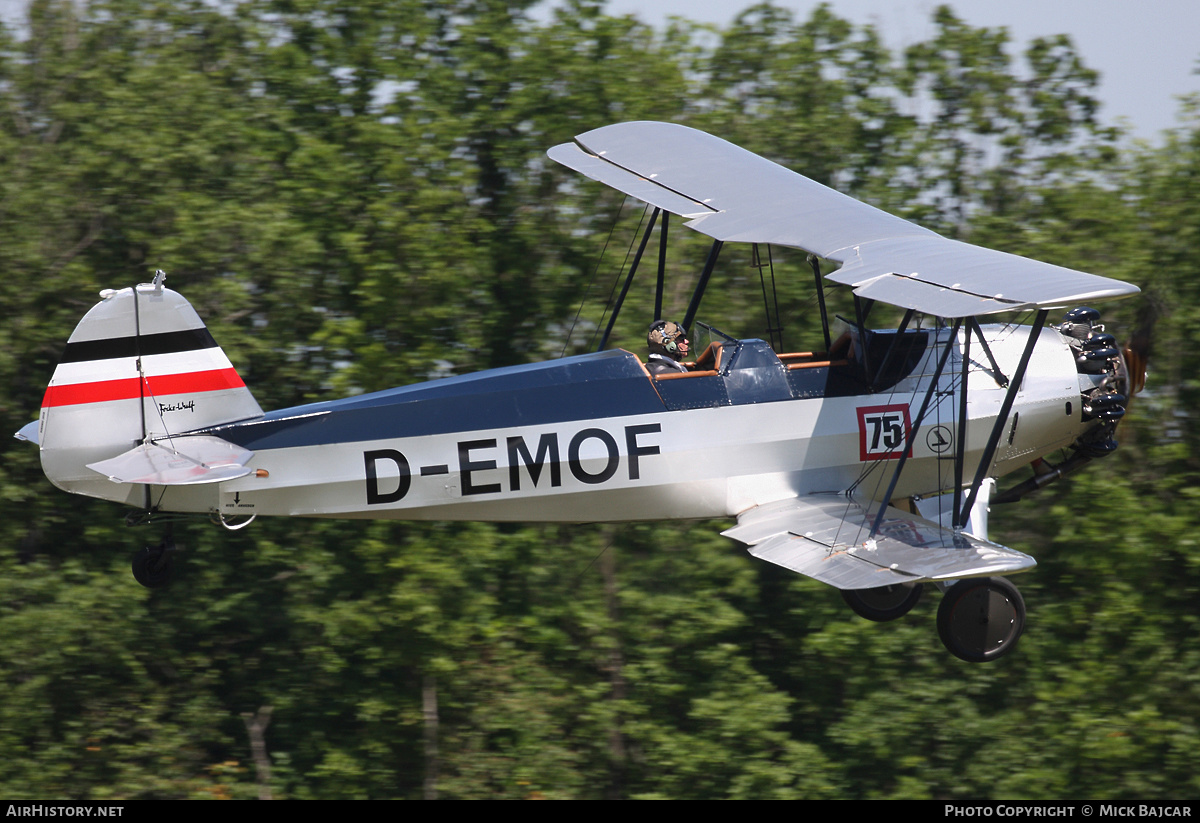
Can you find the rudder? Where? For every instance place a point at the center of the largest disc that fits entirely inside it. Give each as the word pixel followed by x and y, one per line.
pixel 140 366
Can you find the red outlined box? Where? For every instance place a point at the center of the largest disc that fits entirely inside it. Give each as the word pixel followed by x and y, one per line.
pixel 882 431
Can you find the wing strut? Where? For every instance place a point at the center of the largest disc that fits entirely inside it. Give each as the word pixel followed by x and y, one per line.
pixel 774 326
pixel 862 308
pixel 1009 398
pixel 960 453
pixel 891 352
pixel 629 280
pixel 662 266
pixel 910 437
pixel 694 306
pixel 1001 380
pixel 816 267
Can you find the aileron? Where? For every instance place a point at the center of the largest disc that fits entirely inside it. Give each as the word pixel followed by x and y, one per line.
pixel 612 175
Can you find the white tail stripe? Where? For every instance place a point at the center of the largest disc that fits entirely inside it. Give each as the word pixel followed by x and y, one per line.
pixel 154 365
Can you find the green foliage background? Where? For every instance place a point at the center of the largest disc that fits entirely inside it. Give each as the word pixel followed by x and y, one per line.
pixel 356 196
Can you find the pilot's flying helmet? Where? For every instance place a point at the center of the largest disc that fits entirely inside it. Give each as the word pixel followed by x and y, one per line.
pixel 664 338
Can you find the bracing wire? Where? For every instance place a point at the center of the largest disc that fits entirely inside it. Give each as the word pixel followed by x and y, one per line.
pixel 951 383
pixel 620 273
pixel 595 273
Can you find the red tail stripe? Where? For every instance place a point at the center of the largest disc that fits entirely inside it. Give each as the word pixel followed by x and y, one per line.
pixel 127 388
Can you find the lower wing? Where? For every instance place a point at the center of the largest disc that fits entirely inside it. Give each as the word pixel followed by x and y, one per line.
pixel 828 537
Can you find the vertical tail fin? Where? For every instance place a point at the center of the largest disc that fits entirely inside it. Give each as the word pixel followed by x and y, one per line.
pixel 141 365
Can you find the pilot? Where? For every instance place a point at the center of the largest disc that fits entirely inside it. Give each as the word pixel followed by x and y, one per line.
pixel 669 345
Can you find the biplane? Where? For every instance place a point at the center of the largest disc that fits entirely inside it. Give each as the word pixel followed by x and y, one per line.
pixel 869 466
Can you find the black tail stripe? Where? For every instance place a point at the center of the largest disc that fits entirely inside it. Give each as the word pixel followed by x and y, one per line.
pixel 161 343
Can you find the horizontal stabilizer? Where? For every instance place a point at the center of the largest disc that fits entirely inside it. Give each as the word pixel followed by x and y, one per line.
pixel 29 432
pixel 182 461
pixel 827 537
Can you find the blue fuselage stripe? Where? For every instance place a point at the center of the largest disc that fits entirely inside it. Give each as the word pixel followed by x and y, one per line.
pixel 604 385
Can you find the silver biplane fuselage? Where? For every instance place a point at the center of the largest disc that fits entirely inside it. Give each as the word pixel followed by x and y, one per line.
pixel 824 457
pixel 594 438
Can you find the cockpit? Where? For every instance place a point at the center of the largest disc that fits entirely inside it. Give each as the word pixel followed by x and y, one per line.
pixel 731 371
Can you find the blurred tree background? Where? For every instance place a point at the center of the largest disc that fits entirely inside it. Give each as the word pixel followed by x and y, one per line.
pixel 356 196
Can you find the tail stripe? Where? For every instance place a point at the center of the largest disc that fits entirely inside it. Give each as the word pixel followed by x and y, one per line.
pixel 139 366
pixel 118 368
pixel 81 351
pixel 102 391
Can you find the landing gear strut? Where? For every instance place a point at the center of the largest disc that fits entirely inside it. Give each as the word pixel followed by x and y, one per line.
pixel 152 565
pixel 980 619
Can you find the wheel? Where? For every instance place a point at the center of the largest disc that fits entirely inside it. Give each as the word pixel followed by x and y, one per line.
pixel 152 566
pixel 885 603
pixel 979 620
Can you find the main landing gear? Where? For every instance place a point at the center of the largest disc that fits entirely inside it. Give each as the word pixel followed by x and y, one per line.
pixel 885 603
pixel 979 619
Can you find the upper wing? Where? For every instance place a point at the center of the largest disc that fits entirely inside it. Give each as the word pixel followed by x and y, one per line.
pixel 732 194
pixel 827 537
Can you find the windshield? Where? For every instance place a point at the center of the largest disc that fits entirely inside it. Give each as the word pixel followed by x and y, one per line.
pixel 705 334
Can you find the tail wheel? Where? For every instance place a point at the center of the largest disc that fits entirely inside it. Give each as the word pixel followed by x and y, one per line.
pixel 980 619
pixel 152 565
pixel 884 603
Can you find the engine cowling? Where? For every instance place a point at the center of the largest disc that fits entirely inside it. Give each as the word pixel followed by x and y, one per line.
pixel 1103 378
